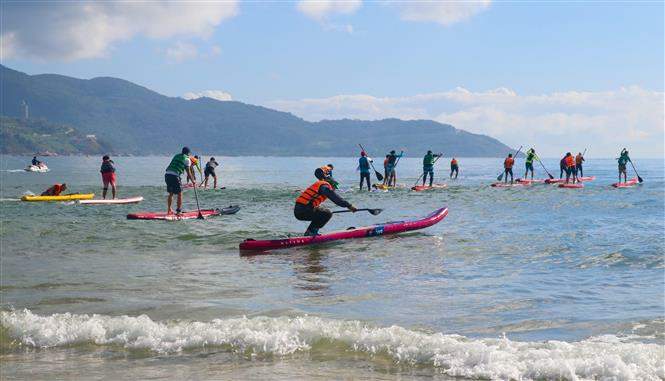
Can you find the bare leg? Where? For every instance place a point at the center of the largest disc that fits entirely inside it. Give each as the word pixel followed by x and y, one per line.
pixel 169 201
pixel 106 189
pixel 113 190
pixel 214 177
pixel 180 201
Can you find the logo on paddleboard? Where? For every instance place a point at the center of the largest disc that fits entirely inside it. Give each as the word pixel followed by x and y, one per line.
pixel 376 231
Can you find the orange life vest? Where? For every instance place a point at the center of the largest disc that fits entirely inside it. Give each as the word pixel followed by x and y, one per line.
pixel 570 161
pixel 55 190
pixel 508 163
pixel 311 195
pixel 453 162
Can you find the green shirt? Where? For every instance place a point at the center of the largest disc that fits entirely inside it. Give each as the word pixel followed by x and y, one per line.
pixel 428 160
pixel 178 164
pixel 530 156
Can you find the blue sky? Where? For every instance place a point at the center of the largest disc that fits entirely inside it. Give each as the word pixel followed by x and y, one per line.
pixel 526 73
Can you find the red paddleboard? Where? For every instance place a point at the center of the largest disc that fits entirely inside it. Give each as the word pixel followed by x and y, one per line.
pixel 188 215
pixel 571 185
pixel 509 185
pixel 531 181
pixel 554 181
pixel 628 184
pixel 420 188
pixel 588 178
pixel 250 246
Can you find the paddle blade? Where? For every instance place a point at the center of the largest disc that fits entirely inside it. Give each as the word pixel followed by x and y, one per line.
pixel 639 179
pixel 500 177
pixel 551 177
pixel 378 176
pixel 375 212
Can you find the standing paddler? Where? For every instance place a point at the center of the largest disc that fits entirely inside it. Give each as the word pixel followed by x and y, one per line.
pixel 428 166
pixel 308 207
pixel 623 161
pixel 530 157
pixel 108 176
pixel 570 168
pixel 454 168
pixel 579 159
pixel 508 167
pixel 391 176
pixel 179 164
pixel 363 167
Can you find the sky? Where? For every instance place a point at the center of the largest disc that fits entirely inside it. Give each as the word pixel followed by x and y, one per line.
pixel 558 76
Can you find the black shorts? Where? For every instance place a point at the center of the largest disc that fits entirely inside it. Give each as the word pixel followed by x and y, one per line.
pixel 529 166
pixel 209 172
pixel 173 184
pixel 570 170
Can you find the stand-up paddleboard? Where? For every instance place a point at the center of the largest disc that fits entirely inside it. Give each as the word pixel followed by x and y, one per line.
pixel 190 186
pixel 588 178
pixel 628 184
pixel 531 181
pixel 129 200
pixel 62 197
pixel 571 185
pixel 420 188
pixel 250 246
pixel 188 215
pixel 509 185
pixel 555 181
pixel 37 168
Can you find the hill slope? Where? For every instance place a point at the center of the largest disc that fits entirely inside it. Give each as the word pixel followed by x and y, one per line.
pixel 137 120
pixel 28 137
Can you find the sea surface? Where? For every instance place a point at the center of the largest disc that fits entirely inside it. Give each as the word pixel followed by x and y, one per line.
pixel 533 283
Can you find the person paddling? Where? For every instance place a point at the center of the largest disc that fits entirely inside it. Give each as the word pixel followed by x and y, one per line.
pixel 454 168
pixel 570 168
pixel 179 164
pixel 579 159
pixel 562 167
pixel 108 176
pixel 428 166
pixel 36 162
pixel 363 166
pixel 508 167
pixel 308 207
pixel 194 163
pixel 391 176
pixel 55 190
pixel 530 157
pixel 623 161
pixel 210 171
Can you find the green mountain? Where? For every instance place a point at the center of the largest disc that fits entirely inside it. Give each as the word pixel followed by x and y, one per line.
pixel 136 120
pixel 27 137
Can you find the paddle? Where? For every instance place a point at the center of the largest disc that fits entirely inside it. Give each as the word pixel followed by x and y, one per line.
pixel 196 196
pixel 638 175
pixel 379 176
pixel 423 174
pixel 548 172
pixel 373 212
pixel 500 177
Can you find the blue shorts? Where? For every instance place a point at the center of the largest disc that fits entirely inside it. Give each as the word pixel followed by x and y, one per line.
pixel 529 166
pixel 428 169
pixel 390 168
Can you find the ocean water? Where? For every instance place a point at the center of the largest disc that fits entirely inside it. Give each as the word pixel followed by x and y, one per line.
pixel 525 284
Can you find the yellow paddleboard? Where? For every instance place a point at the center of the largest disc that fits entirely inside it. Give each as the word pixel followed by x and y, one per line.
pixel 64 197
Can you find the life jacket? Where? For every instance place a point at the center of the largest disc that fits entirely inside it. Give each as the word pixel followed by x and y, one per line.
pixel 55 190
pixel 178 163
pixel 311 195
pixel 508 163
pixel 453 162
pixel 570 161
pixel 578 159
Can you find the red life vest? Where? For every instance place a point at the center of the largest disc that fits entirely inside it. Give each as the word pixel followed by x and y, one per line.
pixel 508 163
pixel 570 161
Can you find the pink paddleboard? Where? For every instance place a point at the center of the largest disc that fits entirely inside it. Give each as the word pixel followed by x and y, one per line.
pixel 250 246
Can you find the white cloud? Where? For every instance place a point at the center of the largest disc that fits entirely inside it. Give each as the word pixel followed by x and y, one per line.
pixel 182 51
pixel 320 9
pixel 214 94
pixel 80 30
pixel 442 12
pixel 603 121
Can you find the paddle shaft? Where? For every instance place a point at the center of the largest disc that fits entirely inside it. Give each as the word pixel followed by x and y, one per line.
pixel 379 176
pixel 423 174
pixel 639 178
pixel 196 196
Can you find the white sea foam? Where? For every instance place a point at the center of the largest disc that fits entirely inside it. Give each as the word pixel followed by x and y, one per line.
pixel 604 357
